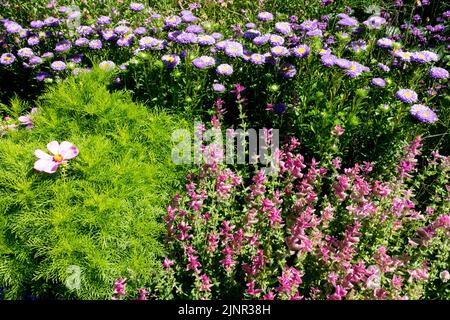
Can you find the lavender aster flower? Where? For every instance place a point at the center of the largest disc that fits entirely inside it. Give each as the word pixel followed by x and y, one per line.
pixel 383 67
pixel 172 21
pixel 34 60
pixel 224 69
pixel 385 43
pixel 188 18
pixel 7 59
pixel 257 58
pixel 102 20
pixel 301 51
pixel 424 56
pixel 218 87
pixel 260 40
pixel 51 22
pixel 328 60
pixel 33 40
pixel 276 40
pixel 217 36
pixel 108 35
pixel 234 49
pixel 348 22
pixel 250 25
pixel 171 60
pixel 126 40
pixel 374 22
pixel 186 38
pixel 406 95
pixel 193 28
pixel 279 51
pixel 309 25
pixel 439 73
pixel 206 40
pixel 48 55
pixel 37 24
pixel 63 46
pixel 283 27
pixel 25 53
pixel 251 34
pixel 423 113
pixel 135 6
pixel 287 70
pixel 265 16
pixel 95 44
pixel 203 62
pixel 379 82
pixel 121 30
pixel 80 42
pixel 58 66
pixel 12 27
pixel 140 31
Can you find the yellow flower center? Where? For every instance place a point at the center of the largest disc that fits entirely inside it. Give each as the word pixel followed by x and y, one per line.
pixel 301 50
pixel 170 59
pixel 353 68
pixel 57 157
pixel 408 94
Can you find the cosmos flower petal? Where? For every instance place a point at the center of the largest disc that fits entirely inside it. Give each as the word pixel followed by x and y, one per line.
pixel 68 150
pixel 42 155
pixel 44 165
pixel 53 147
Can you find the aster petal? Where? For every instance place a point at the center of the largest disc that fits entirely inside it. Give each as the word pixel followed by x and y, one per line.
pixel 68 150
pixel 53 147
pixel 42 155
pixel 44 165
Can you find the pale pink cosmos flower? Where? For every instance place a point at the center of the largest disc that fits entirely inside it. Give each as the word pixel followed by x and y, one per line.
pixel 61 153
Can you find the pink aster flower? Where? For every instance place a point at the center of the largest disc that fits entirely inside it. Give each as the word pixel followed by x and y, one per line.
pixel 61 153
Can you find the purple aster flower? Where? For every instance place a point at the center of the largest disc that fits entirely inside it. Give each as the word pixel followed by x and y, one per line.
pixel 140 31
pixel 25 53
pixel 279 51
pixel 439 73
pixel 12 27
pixel 265 16
pixel 186 13
pixel 355 69
pixel 309 25
pixel 51 22
pixel 342 63
pixel 260 40
pixel 234 49
pixel 348 22
pixel 314 33
pixel 423 113
pixel 358 46
pixel 218 87
pixel 48 55
pixel 217 36
pixel 121 30
pixel 379 82
pixel 203 62
pixel 257 58
pixel 80 42
pixel 34 60
pixel 171 60
pixel 287 71
pixel 37 24
pixel 77 58
pixel 301 51
pixel 42 75
pixel 188 18
pixel 403 55
pixel 283 27
pixel 7 59
pixel 206 40
pixel 95 44
pixel 33 40
pixel 172 21
pixel 63 46
pixel 193 28
pixel 126 40
pixel 374 22
pixel 251 34
pixel 385 43
pixel 108 35
pixel 221 45
pixel 186 38
pixel 58 66
pixel 424 56
pixel 135 6
pixel 280 108
pixel 224 69
pixel 328 60
pixel 276 40
pixel 406 95
pixel 250 25
pixel 102 20
pixel 383 67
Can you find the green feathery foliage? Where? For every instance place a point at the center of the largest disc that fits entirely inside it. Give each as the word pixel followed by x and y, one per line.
pixel 101 213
